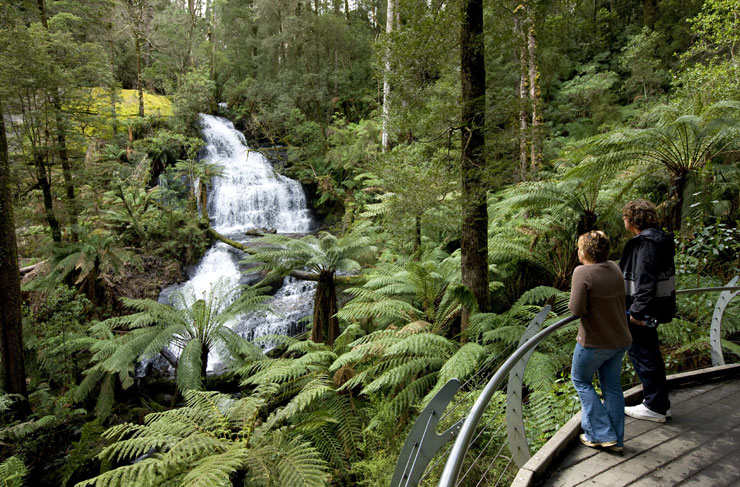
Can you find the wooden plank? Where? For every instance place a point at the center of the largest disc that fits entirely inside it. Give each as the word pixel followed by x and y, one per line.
pixel 693 448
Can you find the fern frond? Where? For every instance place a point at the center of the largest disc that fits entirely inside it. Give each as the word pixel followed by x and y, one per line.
pixel 300 465
pixel 216 470
pixel 12 472
pixel 189 367
pixel 310 393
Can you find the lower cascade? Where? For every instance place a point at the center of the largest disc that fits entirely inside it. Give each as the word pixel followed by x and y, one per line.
pixel 248 195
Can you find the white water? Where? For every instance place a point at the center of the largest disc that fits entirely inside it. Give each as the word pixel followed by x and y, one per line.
pixel 249 195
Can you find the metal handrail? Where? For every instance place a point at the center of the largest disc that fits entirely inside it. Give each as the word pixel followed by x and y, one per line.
pixel 453 466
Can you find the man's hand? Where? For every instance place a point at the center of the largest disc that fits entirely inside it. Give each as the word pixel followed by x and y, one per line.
pixel 637 322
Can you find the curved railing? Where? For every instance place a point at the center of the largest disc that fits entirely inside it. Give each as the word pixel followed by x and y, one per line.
pixel 423 443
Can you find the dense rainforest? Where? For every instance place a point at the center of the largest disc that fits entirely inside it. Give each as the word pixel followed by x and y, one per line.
pixel 450 153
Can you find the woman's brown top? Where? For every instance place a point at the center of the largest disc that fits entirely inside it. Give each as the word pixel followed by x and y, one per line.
pixel 597 296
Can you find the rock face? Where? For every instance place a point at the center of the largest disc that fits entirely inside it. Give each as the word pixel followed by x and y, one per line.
pixel 259 232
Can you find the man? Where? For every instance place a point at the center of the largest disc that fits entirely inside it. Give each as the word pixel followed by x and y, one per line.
pixel 650 283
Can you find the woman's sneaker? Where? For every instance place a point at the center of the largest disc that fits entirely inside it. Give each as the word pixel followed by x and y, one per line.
pixel 596 444
pixel 643 412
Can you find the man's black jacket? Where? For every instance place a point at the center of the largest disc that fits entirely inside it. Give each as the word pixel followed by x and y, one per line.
pixel 650 275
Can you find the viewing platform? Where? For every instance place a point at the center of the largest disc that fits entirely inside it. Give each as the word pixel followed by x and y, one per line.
pixel 698 446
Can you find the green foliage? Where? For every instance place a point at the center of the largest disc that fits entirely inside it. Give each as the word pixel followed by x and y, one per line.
pixel 50 330
pixel 12 472
pixel 710 70
pixel 638 58
pixel 547 410
pixel 208 442
pixel 428 291
pixel 94 262
pixel 195 95
pixel 193 324
pixel 325 252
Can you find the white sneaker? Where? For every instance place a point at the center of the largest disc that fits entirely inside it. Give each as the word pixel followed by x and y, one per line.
pixel 642 412
pixel 668 414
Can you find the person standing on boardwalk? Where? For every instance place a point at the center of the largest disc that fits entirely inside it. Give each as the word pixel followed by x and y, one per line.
pixel 597 297
pixel 650 281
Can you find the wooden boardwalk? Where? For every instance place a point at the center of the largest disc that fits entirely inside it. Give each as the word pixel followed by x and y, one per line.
pixel 699 446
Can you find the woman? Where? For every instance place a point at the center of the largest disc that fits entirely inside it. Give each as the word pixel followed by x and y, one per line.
pixel 598 298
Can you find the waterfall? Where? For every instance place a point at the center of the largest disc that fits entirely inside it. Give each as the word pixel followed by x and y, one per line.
pixel 249 194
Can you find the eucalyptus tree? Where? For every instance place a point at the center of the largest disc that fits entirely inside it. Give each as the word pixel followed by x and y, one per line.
pixel 473 235
pixel 679 142
pixel 11 324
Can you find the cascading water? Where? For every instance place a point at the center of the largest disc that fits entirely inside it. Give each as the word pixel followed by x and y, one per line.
pixel 249 194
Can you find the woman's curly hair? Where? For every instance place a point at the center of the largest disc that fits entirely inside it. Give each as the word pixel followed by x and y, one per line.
pixel 641 214
pixel 594 245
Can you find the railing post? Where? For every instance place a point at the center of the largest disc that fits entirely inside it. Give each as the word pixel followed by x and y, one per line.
pixel 715 332
pixel 518 445
pixel 423 442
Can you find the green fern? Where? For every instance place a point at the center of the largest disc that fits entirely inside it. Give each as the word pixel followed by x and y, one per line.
pixel 12 472
pixel 207 443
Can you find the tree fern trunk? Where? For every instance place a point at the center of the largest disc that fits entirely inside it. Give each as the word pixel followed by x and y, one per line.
pixel 204 201
pixel 204 365
pixel 325 322
pixel 417 237
pixel 672 217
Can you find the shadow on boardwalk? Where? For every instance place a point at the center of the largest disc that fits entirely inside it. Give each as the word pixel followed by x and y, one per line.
pixel 699 446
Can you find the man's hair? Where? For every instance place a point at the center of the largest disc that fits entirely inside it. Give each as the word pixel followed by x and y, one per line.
pixel 594 245
pixel 641 214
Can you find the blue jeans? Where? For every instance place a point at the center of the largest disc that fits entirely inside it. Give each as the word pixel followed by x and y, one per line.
pixel 600 421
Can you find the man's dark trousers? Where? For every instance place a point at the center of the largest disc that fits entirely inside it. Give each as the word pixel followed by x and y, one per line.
pixel 648 362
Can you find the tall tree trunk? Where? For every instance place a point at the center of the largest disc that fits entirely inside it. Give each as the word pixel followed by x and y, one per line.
pixel 534 91
pixel 649 13
pixel 417 238
pixel 389 16
pixel 43 182
pixel 325 322
pixel 61 136
pixel 523 100
pixel 188 61
pixel 11 325
pixel 139 85
pixel 474 235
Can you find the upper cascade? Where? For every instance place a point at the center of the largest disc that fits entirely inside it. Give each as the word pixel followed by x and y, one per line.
pixel 249 194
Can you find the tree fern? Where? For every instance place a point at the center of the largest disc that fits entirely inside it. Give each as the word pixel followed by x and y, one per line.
pixel 195 325
pixel 400 293
pixel 208 442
